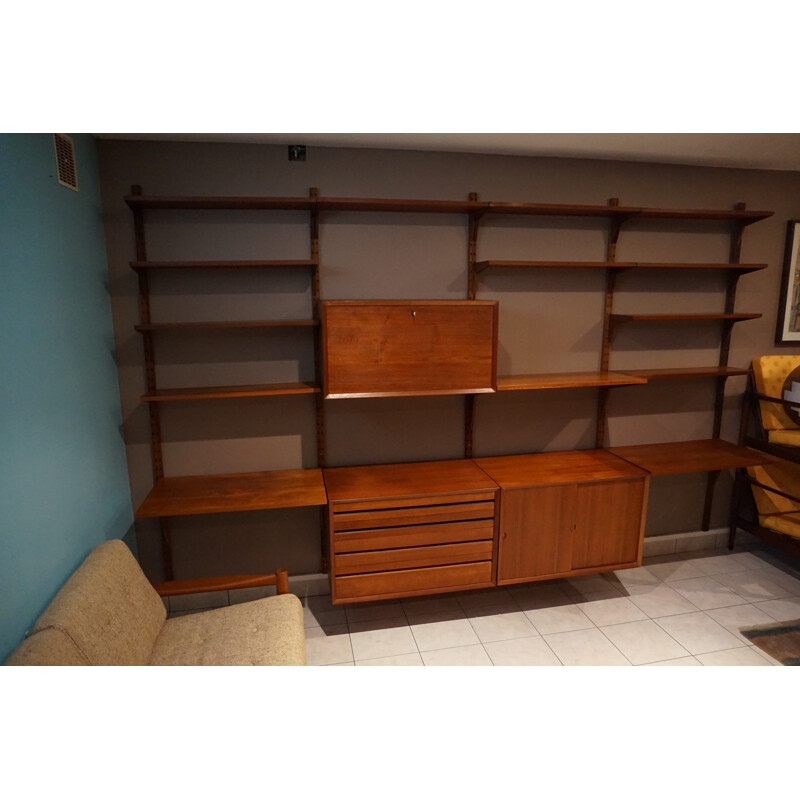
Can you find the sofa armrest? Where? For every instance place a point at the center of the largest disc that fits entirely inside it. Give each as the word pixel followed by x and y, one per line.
pixel 279 579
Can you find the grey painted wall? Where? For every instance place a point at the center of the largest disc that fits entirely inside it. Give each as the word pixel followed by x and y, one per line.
pixel 550 320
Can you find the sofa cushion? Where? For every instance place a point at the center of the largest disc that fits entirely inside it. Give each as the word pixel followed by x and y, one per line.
pixel 266 632
pixel 108 609
pixel 48 648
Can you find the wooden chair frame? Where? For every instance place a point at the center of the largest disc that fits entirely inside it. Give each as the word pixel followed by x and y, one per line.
pixel 279 579
pixel 751 413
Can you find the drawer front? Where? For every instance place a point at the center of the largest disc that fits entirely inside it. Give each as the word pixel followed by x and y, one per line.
pixel 413 557
pixel 412 536
pixel 412 581
pixel 408 502
pixel 419 515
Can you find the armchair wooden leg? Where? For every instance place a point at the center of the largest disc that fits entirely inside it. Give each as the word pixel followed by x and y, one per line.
pixel 735 500
pixel 282 584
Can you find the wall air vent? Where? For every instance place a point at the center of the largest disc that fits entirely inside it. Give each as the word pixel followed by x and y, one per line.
pixel 65 161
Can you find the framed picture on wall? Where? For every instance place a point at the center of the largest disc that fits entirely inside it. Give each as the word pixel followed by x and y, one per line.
pixel 788 328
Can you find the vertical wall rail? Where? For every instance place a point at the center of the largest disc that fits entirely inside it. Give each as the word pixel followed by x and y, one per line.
pixel 150 376
pixel 319 402
pixel 472 290
pixel 724 353
pixel 605 354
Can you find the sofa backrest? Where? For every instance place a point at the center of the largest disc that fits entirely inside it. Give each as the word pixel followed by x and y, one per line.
pixel 107 609
pixel 47 648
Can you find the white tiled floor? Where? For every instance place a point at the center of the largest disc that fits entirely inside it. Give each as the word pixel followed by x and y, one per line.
pixel 676 610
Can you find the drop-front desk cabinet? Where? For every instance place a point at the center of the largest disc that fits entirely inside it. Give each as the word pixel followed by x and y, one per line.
pixel 408 529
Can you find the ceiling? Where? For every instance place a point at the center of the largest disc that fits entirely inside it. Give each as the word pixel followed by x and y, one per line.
pixel 772 151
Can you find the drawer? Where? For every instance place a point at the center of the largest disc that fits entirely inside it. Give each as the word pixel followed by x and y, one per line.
pixel 408 502
pixel 412 536
pixel 419 515
pixel 413 557
pixel 412 581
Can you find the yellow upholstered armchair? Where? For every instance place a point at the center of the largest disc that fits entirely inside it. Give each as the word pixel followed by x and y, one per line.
pixel 771 423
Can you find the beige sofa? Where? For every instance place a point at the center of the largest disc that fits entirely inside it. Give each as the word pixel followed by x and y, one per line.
pixel 109 614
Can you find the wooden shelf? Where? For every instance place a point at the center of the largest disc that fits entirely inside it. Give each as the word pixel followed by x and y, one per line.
pixel 688 372
pixel 420 206
pixel 244 325
pixel 141 266
pixel 381 482
pixel 247 491
pixel 566 380
pixel 705 455
pixel 230 203
pixel 219 392
pixel 618 318
pixel 543 469
pixel 441 206
pixel 480 266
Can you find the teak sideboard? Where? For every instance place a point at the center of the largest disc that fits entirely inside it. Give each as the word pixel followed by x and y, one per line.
pixel 426 527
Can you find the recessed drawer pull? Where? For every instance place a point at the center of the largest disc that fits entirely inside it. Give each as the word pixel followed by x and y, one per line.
pixel 356 520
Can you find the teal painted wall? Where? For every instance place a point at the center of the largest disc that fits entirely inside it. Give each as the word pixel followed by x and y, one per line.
pixel 63 475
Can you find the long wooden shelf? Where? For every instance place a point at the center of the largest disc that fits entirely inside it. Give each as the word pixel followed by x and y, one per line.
pixel 704 455
pixel 480 266
pixel 619 318
pixel 220 392
pixel 229 203
pixel 474 207
pixel 247 324
pixel 688 372
pixel 246 491
pixel 141 266
pixel 566 380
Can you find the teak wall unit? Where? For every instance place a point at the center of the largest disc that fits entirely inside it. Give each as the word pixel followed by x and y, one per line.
pixel 413 540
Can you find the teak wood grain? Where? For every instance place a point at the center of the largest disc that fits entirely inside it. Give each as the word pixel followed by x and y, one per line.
pixel 221 392
pixel 385 348
pixel 422 515
pixel 417 479
pixel 569 466
pixel 413 557
pixel 410 582
pixel 412 536
pixel 566 380
pixel 689 372
pixel 704 455
pixel 247 491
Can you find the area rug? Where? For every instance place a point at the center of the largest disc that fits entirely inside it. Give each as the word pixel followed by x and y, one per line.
pixel 781 640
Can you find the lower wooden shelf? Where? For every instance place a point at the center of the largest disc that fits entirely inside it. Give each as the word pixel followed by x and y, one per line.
pixel 703 455
pixel 244 491
pixel 566 380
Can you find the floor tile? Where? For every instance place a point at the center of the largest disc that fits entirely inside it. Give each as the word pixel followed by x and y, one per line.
pixel 585 648
pixel 405 660
pixel 659 600
pixel 328 644
pixel 784 580
pixel 706 593
pixel 644 641
pixel 750 560
pixel 603 594
pixel 320 611
pixel 532 651
pixel 686 661
pixel 343 664
pixel 387 609
pixel 611 611
pixel 716 564
pixel 698 633
pixel 581 584
pixel 381 638
pixel 434 633
pixel 738 657
pixel 735 617
pixel 636 576
pixel 469 656
pixel 558 619
pixel 753 586
pixel 419 606
pixel 540 595
pixel 783 610
pixel 672 568
pixel 484 598
pixel 502 626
